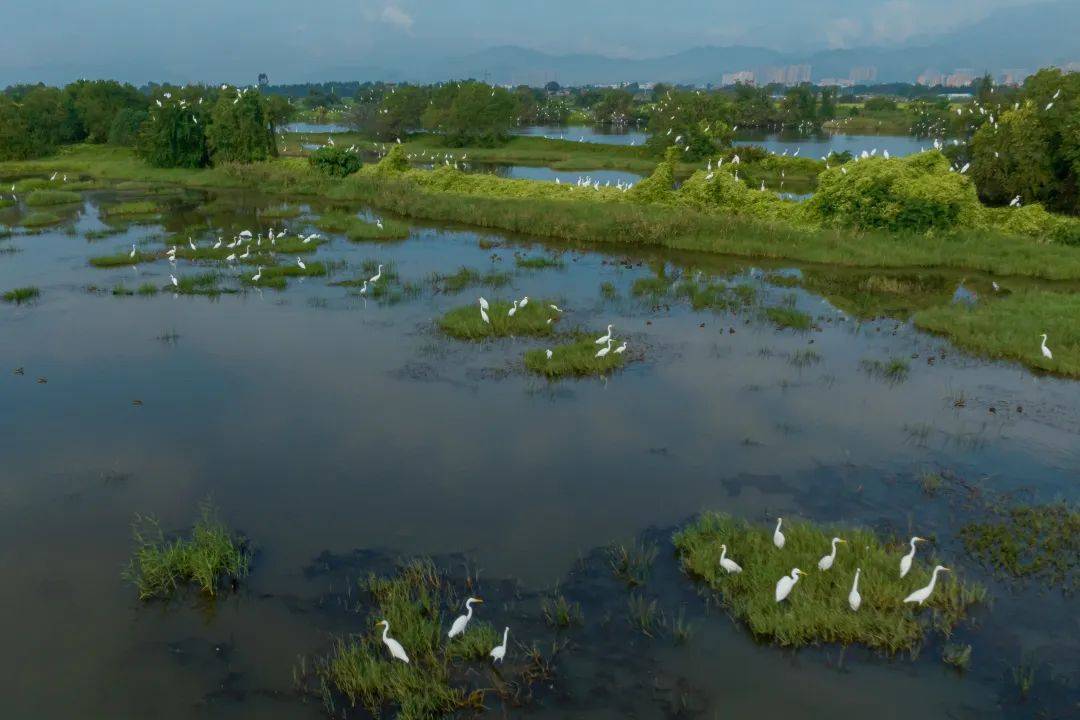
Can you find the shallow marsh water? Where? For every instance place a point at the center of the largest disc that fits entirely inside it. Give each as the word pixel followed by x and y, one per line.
pixel 323 424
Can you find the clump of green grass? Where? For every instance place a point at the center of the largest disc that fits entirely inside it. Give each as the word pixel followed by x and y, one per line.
pixel 560 612
pixel 466 277
pixel 1010 327
pixel 147 289
pixel 275 276
pixel 131 209
pixel 537 262
pixel 360 669
pixel 644 615
pixel 958 655
pixel 42 218
pixel 804 358
pixel 708 295
pixel 120 289
pixel 1032 541
pixel 633 564
pixel 1023 676
pixel 41 198
pixel 782 280
pixel 681 629
pixel 817 608
pixel 103 233
pixel 280 212
pixel 654 287
pixel 359 230
pixel 608 290
pixel 20 295
pixel 6 202
pixel 931 482
pixel 573 359
pixel 123 258
pixel 202 284
pixel 210 559
pixel 788 317
pixel 465 323
pixel 894 370
pixel 27 185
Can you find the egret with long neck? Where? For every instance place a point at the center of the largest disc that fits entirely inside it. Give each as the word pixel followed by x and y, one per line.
pixel 463 620
pixel 905 562
pixel 920 596
pixel 826 562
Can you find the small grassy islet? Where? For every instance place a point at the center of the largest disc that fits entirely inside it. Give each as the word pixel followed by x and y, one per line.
pixel 131 209
pixel 42 218
pixel 42 198
pixel 359 230
pixel 573 359
pixel 467 277
pixel 465 323
pixel 210 559
pixel 817 609
pixel 20 295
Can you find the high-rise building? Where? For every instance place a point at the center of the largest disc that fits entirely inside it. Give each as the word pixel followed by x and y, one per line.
pixel 863 75
pixel 742 76
pixel 960 77
pixel 796 74
pixel 930 77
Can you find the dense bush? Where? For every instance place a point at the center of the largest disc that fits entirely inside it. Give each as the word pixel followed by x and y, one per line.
pixel 239 130
pixel 174 135
pixel 335 162
pixel 913 194
pixel 125 126
pixel 471 113
pixel 395 161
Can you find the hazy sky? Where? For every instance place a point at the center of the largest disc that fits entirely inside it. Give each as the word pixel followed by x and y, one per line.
pixel 297 40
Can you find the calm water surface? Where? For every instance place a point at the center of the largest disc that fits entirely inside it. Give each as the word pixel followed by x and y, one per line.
pixel 323 424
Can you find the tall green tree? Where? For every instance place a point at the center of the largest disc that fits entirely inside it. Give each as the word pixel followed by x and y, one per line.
pixel 98 101
pixel 471 113
pixel 174 133
pixel 239 129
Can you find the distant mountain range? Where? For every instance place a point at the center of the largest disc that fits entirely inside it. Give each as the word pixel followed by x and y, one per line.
pixel 1026 37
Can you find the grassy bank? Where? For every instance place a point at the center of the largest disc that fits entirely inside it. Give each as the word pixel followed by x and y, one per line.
pixel 817 609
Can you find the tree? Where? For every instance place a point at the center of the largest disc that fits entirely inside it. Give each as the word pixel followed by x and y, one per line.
pixel 799 106
pixel 553 87
pixel 98 101
pixel 470 113
pixel 15 139
pixel 125 126
pixel 279 111
pixel 398 113
pixel 174 133
pixel 48 119
pixel 240 130
pixel 752 107
pixel 695 123
pixel 616 107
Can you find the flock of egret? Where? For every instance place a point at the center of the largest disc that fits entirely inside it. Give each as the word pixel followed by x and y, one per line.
pixel 786 584
pixel 461 623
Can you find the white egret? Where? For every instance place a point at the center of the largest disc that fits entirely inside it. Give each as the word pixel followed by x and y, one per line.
pixel 498 653
pixel 1045 350
pixel 785 584
pixel 375 278
pixel 777 536
pixel 555 308
pixel 231 258
pixel 548 353
pixel 257 276
pixel 393 645
pixel 604 350
pixel 191 244
pixel 604 338
pixel 854 599
pixel 363 288
pixel 301 264
pixel 132 253
pixel 246 234
pixel 920 596
pixel 378 223
pixel 905 562
pixel 463 620
pixel 826 562
pixel 217 245
pixel 621 349
pixel 727 563
pixel 512 310
pixel 175 282
pixel 524 301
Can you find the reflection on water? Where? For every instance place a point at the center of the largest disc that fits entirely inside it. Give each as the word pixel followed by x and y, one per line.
pixel 602 134
pixel 303 127
pixel 319 421
pixel 822 144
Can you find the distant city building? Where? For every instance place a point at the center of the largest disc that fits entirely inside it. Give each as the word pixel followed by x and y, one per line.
pixel 787 75
pixel 742 76
pixel 863 75
pixel 929 77
pixel 834 82
pixel 1013 76
pixel 961 77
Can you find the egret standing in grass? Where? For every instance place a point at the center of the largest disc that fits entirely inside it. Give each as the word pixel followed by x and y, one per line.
pixel 498 653
pixel 777 536
pixel 727 563
pixel 604 338
pixel 604 350
pixel 132 253
pixel 1045 350
pixel 463 620
pixel 785 584
pixel 548 353
pixel 257 276
pixel 826 562
pixel 483 310
pixel 374 279
pixel 512 310
pixel 301 264
pixel 905 562
pixel 393 645
pixel 175 282
pixel 621 349
pixel 920 596
pixel 854 599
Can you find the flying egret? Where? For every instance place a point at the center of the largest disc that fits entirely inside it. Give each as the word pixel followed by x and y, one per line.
pixel 854 599
pixel 777 536
pixel 499 651
pixel 905 562
pixel 257 276
pixel 1045 350
pixel 513 310
pixel 727 563
pixel 376 277
pixel 920 596
pixel 393 645
pixel 785 584
pixel 463 620
pixel 604 338
pixel 826 562
pixel 604 350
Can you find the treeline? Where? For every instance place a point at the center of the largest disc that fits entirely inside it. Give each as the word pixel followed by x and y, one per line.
pixel 168 126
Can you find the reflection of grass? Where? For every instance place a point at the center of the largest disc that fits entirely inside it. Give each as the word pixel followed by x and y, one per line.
pixel 817 609
pixel 788 317
pixel 467 277
pixel 201 284
pixel 21 295
pixel 804 358
pixel 1040 541
pixel 652 286
pixel 872 295
pixel 894 370
pixel 465 323
pixel 608 290
pixel 211 557
pixel 1010 327
pixel 644 615
pixel 360 668
pixel 576 358
pixel 39 198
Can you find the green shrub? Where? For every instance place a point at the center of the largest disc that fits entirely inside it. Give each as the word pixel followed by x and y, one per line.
pixel 397 160
pixel 124 130
pixel 335 162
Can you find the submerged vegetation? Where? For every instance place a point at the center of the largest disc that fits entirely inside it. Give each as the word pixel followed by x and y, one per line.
pixel 466 277
pixel 817 609
pixel 211 559
pixel 1040 542
pixel 20 295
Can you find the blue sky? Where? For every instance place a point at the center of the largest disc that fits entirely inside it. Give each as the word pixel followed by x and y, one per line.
pixel 232 39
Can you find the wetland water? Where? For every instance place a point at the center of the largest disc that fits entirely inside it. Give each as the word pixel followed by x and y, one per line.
pixel 340 433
